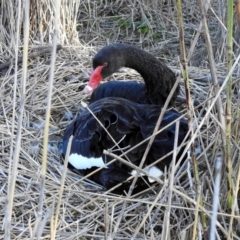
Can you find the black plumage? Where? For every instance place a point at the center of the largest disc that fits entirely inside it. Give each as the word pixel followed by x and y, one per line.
pixel 129 111
pixel 122 90
pixel 122 118
pixel 159 79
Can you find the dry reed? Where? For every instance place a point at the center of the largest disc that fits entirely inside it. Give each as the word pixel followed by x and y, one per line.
pixel 84 212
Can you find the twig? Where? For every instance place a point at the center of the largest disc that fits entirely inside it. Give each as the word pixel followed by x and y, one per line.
pixel 53 236
pixel 12 183
pixel 213 73
pixel 190 109
pixel 237 6
pixel 218 169
pixel 47 119
pixel 106 219
pixel 198 204
pixel 15 89
pixel 235 200
pixel 228 112
pixel 165 234
pixel 44 222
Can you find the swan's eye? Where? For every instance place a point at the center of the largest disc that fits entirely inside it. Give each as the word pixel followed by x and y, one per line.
pixel 105 64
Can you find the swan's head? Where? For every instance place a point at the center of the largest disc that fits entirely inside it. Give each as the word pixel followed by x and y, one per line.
pixel 107 61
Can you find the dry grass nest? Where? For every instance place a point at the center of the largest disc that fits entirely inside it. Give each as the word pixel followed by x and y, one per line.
pixel 83 209
pixel 86 210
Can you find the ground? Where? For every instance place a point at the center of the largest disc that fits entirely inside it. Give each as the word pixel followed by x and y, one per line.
pixel 86 210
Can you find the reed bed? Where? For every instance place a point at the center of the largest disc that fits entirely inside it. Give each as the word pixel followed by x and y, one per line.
pixel 85 210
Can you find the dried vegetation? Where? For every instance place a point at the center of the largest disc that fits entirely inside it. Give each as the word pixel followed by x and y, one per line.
pixel 86 211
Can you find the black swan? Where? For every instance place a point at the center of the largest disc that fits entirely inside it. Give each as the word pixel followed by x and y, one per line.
pixel 159 79
pixel 129 123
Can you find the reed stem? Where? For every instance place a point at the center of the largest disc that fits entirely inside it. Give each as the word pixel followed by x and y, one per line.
pixel 190 109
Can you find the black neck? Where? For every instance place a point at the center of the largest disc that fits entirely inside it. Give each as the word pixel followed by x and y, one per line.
pixel 159 78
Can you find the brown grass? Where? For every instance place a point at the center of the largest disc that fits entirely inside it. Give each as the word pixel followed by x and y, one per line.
pixel 86 211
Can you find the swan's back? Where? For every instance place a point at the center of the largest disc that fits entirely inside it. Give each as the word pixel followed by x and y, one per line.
pixel 132 91
pixel 126 121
